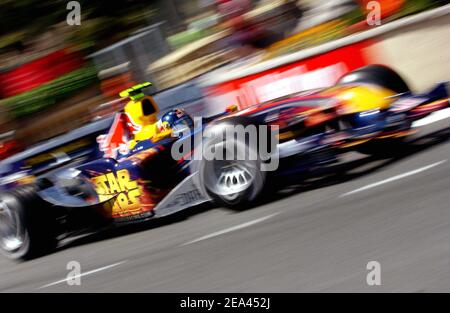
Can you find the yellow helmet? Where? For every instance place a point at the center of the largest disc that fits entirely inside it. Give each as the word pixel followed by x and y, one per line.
pixel 142 109
pixel 365 97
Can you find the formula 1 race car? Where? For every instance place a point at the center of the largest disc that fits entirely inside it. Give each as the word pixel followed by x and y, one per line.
pixel 370 110
pixel 138 178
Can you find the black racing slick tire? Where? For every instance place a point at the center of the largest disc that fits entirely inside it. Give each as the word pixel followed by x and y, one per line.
pixel 26 227
pixel 378 75
pixel 233 182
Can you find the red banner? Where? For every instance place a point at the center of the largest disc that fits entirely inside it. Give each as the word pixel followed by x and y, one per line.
pixel 314 72
pixel 38 72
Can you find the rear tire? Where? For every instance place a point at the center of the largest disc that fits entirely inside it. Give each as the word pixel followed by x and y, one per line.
pixel 26 229
pixel 378 75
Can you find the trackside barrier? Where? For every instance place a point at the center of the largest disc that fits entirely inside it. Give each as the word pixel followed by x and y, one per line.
pixel 416 46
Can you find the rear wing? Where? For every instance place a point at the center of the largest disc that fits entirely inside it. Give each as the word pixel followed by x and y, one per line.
pixel 441 91
pixel 436 99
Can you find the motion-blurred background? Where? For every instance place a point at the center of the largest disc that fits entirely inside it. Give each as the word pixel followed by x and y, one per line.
pixel 199 54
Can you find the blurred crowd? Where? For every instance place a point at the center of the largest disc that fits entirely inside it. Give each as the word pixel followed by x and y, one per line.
pixel 54 76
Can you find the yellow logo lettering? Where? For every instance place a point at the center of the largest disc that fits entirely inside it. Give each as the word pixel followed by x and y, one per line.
pixel 118 184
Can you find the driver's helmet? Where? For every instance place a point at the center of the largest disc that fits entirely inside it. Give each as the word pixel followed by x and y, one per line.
pixel 178 120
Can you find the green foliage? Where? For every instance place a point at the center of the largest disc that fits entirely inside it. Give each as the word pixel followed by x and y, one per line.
pixel 181 39
pixel 50 93
pixel 101 20
pixel 414 6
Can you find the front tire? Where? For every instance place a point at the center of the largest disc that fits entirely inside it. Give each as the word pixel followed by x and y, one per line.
pixel 232 183
pixel 237 180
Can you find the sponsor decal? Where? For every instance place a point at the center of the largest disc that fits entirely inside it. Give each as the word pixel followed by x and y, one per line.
pixel 120 189
pixel 191 196
pixel 311 73
pixel 115 143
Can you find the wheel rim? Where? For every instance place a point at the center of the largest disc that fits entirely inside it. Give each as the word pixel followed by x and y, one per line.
pixel 11 233
pixel 229 178
pixel 233 178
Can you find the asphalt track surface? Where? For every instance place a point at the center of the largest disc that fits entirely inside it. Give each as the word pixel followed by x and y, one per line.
pixel 317 237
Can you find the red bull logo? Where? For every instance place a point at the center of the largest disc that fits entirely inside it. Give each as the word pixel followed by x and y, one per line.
pixel 115 143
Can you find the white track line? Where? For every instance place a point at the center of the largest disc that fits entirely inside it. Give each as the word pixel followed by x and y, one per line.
pixel 393 178
pixel 82 274
pixel 231 229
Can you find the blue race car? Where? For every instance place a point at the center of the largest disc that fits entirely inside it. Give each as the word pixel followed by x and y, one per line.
pixel 138 177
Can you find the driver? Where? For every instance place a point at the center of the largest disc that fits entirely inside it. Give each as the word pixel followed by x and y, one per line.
pixel 143 111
